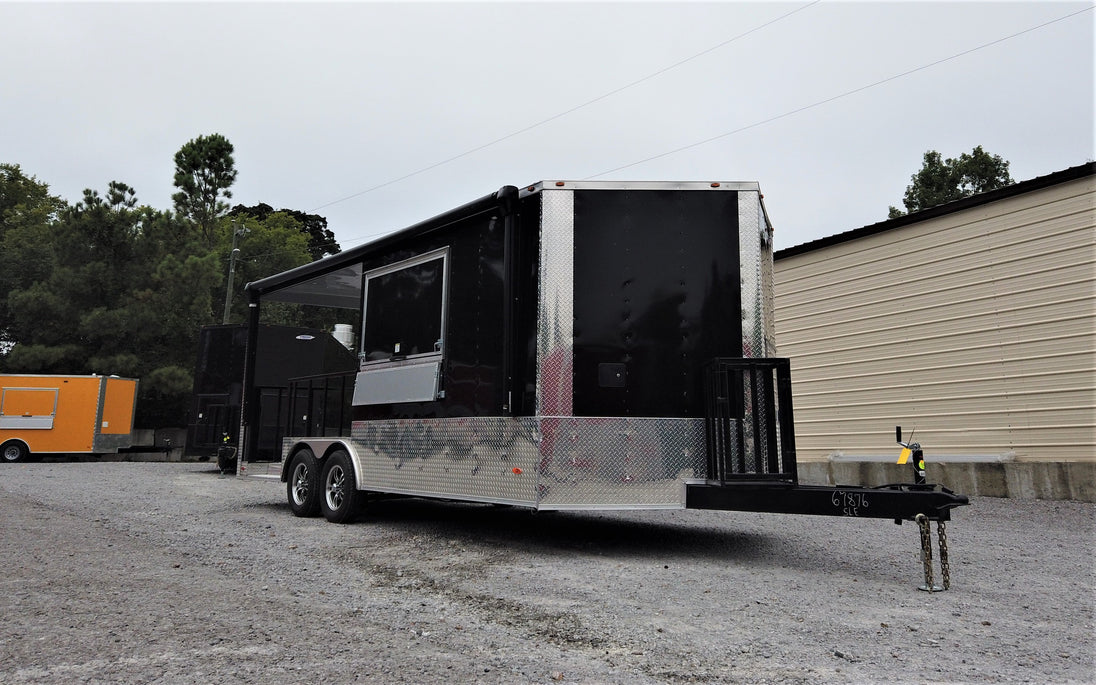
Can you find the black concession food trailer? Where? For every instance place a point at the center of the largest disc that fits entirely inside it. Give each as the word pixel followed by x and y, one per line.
pixel 565 345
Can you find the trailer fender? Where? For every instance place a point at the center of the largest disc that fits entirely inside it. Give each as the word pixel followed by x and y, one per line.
pixel 322 449
pixel 14 450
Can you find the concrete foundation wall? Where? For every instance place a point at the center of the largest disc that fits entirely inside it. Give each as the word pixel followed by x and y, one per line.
pixel 1025 480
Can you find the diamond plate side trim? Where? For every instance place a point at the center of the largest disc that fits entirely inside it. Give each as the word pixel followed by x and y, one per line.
pixel 555 343
pixel 546 462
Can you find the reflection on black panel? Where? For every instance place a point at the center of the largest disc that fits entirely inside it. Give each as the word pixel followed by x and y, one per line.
pixel 403 311
pixel 656 290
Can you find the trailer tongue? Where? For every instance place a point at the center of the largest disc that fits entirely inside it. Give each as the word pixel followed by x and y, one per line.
pixel 899 501
pixel 751 464
pixel 567 346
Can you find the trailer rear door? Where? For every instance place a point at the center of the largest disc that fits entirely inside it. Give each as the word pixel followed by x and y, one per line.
pixel 118 405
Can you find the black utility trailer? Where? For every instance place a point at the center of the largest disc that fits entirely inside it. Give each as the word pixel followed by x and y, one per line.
pixel 566 345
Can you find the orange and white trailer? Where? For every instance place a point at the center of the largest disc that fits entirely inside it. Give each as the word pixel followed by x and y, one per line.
pixel 42 414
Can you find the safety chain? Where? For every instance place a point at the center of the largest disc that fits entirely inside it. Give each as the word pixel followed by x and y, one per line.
pixel 926 550
pixel 926 554
pixel 945 566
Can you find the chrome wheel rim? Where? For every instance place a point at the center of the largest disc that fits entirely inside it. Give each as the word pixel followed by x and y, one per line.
pixel 335 487
pixel 300 484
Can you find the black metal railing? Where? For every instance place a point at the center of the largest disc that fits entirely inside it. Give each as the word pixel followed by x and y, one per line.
pixel 749 430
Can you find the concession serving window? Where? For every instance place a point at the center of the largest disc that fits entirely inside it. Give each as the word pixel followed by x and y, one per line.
pixel 403 331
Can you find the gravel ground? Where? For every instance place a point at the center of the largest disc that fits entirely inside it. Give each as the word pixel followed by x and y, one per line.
pixel 127 572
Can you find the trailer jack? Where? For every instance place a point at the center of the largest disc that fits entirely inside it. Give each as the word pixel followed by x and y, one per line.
pixel 911 452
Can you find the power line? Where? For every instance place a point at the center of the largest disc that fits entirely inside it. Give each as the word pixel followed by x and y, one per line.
pixel 721 135
pixel 838 97
pixel 564 113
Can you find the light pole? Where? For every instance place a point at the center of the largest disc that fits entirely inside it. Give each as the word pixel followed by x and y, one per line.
pixel 236 233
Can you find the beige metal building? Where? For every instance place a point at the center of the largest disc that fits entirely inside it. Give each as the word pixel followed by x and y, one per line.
pixel 973 323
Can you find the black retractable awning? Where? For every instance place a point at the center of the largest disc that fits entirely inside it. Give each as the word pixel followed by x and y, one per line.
pixel 341 288
pixel 336 281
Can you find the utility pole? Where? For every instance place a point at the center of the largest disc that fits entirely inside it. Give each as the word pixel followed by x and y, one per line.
pixel 236 233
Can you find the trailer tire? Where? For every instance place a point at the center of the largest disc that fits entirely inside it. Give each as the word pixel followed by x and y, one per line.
pixel 340 499
pixel 13 451
pixel 302 486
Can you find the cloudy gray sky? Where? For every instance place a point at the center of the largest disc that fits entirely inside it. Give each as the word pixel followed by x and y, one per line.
pixel 378 115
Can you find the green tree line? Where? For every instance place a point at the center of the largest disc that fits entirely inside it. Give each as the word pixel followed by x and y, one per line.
pixel 940 180
pixel 111 286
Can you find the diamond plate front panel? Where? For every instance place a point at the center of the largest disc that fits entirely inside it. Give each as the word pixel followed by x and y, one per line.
pixel 619 462
pixel 555 321
pixel 754 249
pixel 547 463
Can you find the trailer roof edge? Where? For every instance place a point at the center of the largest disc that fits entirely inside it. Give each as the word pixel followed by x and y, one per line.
pixel 287 279
pixel 1019 188
pixel 540 186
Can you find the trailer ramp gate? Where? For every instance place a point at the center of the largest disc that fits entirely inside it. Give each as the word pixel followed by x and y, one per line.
pixel 750 444
pixel 748 427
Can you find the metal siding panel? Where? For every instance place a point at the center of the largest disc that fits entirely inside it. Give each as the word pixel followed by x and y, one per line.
pixel 977 327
